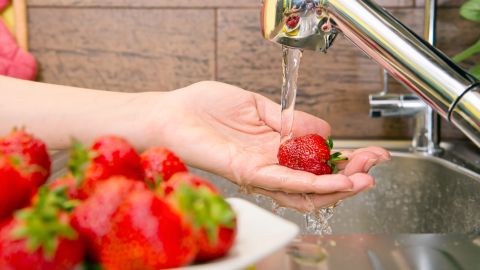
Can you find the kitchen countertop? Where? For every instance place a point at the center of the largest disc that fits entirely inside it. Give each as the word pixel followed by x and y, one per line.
pixel 378 252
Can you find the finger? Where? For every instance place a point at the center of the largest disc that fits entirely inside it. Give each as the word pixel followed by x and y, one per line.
pixel 361 182
pixel 280 178
pixel 381 154
pixel 304 123
pixel 310 202
pixel 361 163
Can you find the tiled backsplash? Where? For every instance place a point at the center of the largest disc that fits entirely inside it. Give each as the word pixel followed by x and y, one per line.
pixel 159 45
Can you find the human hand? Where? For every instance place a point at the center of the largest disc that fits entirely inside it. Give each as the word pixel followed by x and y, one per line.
pixel 235 133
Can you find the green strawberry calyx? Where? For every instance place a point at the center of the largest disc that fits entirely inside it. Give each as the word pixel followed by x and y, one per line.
pixel 19 163
pixel 207 210
pixel 80 159
pixel 41 226
pixel 335 157
pixel 156 183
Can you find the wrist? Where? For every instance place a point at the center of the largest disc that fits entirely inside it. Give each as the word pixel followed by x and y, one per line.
pixel 154 110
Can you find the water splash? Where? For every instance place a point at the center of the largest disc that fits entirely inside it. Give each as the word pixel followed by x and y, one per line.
pixel 278 209
pixel 244 190
pixel 316 222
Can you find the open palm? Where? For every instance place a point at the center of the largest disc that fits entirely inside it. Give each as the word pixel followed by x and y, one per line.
pixel 235 133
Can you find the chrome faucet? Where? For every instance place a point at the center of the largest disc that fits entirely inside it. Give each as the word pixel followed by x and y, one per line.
pixel 314 25
pixel 427 132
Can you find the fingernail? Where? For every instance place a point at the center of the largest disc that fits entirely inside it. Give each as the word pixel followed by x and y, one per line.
pixel 385 157
pixel 347 190
pixel 369 164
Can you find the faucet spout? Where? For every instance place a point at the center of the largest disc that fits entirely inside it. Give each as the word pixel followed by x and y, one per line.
pixel 436 79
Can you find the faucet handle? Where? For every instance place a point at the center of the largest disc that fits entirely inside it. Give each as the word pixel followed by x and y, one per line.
pixel 302 24
pixel 392 105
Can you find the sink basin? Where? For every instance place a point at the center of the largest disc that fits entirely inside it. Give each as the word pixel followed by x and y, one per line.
pixel 414 194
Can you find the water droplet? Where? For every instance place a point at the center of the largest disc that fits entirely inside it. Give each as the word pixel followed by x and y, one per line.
pixel 245 189
pixel 476 241
pixel 277 209
pixel 304 253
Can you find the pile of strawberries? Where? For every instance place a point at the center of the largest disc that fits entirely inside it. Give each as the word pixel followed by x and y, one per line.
pixel 292 21
pixel 114 209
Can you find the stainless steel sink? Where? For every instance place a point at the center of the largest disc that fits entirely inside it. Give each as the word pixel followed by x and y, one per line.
pixel 414 194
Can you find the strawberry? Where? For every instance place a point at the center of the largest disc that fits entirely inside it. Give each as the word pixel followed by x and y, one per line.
pixel 40 237
pixel 187 178
pixel 93 217
pixel 32 150
pixel 109 156
pixel 160 164
pixel 212 217
pixel 67 181
pixel 309 153
pixel 15 185
pixel 147 233
pixel 117 157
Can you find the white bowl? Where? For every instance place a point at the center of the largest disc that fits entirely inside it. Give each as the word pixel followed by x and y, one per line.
pixel 260 233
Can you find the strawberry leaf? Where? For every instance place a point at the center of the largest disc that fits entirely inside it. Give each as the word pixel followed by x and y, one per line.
pixel 207 210
pixel 92 266
pixel 157 182
pixel 330 142
pixel 40 224
pixel 335 157
pixel 79 161
pixel 16 160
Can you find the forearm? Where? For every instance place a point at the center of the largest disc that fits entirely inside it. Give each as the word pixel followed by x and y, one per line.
pixel 57 113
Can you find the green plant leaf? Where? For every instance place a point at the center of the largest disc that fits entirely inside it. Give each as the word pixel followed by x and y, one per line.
pixel 471 10
pixel 475 71
pixel 474 49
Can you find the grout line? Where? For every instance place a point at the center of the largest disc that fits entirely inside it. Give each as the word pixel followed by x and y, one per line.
pixel 215 44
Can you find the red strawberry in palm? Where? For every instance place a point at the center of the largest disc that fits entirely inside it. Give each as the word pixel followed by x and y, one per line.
pixel 109 156
pixel 148 234
pixel 309 153
pixel 40 237
pixel 93 217
pixel 32 150
pixel 15 185
pixel 160 164
pixel 212 217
